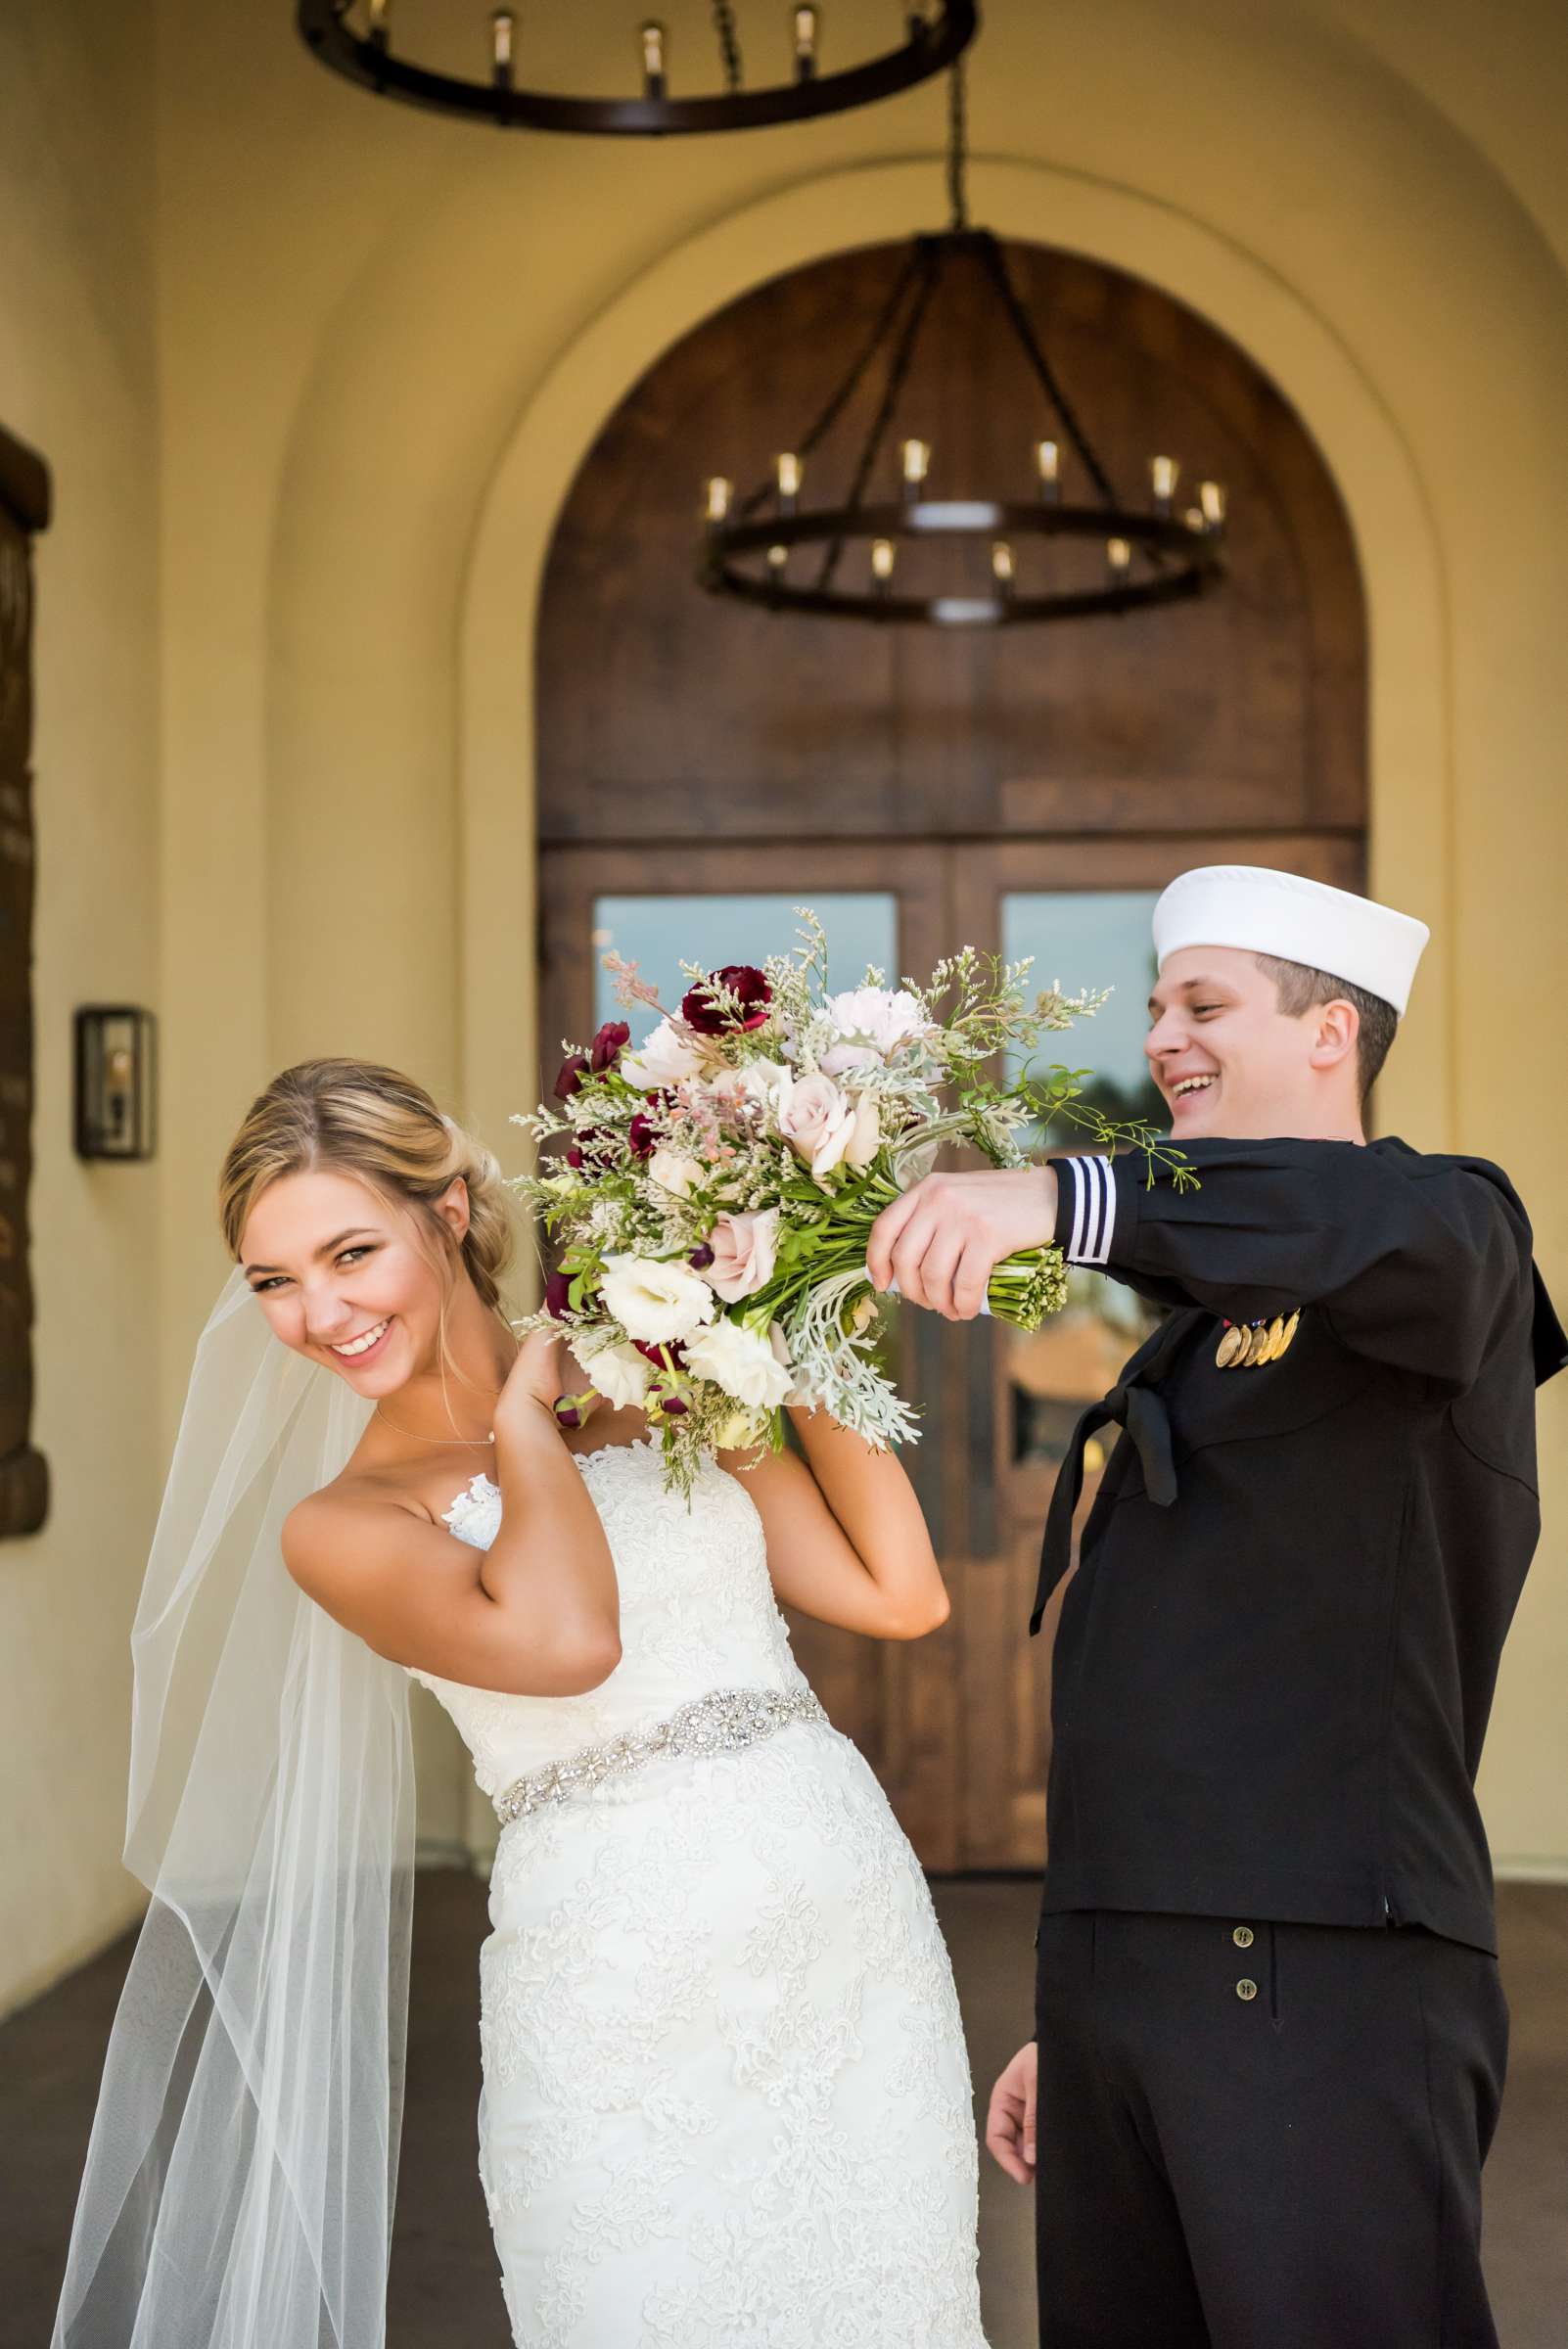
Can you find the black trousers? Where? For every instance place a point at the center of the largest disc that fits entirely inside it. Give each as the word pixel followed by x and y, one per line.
pixel 1259 2135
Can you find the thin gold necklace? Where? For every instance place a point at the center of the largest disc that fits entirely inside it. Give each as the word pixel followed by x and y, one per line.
pixel 415 1437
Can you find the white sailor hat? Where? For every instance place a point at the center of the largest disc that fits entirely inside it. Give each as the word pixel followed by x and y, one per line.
pixel 1267 912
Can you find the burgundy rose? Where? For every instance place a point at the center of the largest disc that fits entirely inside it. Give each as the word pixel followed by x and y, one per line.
pixel 567 1415
pixel 573 1069
pixel 591 1150
pixel 673 1407
pixel 558 1296
pixel 645 1133
pixel 701 1258
pixel 743 982
pixel 608 1045
pixel 656 1353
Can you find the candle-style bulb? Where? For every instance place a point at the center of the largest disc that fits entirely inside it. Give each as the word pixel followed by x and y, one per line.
pixel 789 477
pixel 1195 518
pixel 777 556
pixel 882 561
pixel 916 465
pixel 718 497
pixel 1002 563
pixel 1119 554
pixel 1164 472
pixel 378 21
pixel 1048 467
pixel 805 43
pixel 1212 498
pixel 653 57
pixel 502 27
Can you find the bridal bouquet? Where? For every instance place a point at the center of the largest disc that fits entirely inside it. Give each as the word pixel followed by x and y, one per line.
pixel 719 1181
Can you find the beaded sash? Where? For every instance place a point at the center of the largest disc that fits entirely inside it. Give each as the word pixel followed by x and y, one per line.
pixel 720 1723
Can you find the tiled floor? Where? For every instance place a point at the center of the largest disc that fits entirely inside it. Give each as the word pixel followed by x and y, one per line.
pixel 443 2288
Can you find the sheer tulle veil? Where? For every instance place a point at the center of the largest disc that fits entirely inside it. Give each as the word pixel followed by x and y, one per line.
pixel 241 2169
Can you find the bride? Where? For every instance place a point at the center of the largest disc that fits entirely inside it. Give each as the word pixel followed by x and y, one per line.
pixel 726 2100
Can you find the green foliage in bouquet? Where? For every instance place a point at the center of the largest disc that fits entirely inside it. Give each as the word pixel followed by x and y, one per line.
pixel 719 1181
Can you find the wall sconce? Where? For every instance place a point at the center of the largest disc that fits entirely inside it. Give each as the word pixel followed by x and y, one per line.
pixel 115 1067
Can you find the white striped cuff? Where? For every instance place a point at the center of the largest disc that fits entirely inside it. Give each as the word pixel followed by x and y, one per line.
pixel 1094 1209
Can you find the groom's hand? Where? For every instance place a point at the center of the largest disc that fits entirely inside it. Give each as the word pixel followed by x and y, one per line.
pixel 943 1240
pixel 1010 2121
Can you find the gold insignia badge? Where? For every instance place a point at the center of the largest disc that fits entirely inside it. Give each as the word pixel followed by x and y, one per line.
pixel 1248 1346
pixel 1269 1349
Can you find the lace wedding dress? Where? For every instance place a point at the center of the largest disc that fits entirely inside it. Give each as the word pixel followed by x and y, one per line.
pixel 726 2101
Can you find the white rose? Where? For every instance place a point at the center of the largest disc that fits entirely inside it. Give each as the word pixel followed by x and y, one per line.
pixel 816 1119
pixel 673 1170
pixel 741 1361
pixel 663 1058
pixel 865 1140
pixel 872 1022
pixel 745 1249
pixel 620 1373
pixel 655 1301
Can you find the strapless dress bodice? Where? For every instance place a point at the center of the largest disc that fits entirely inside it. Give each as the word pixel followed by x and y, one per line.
pixel 697 1614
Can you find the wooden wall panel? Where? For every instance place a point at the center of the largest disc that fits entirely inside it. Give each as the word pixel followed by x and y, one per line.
pixel 24 510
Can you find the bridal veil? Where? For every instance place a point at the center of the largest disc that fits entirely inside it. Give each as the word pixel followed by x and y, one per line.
pixel 241 2174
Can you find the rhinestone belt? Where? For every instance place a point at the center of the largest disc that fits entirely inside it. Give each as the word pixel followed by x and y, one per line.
pixel 720 1723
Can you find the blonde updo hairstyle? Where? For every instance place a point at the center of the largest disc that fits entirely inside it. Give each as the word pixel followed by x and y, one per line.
pixel 355 1118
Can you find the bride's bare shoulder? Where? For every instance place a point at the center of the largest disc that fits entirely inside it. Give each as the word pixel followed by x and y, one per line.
pixel 336 1529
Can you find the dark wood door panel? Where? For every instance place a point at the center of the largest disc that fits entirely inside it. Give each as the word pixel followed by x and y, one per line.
pixel 666 713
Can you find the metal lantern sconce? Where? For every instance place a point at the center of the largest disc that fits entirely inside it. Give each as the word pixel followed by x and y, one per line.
pixel 115 1077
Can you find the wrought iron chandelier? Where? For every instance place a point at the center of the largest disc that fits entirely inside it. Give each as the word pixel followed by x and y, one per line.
pixel 1152 554
pixel 354 37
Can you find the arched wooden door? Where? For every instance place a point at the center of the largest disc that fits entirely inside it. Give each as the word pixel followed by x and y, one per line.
pixel 705 767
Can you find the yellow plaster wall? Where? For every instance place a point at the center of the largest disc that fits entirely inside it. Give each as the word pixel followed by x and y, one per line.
pixel 384 341
pixel 77 379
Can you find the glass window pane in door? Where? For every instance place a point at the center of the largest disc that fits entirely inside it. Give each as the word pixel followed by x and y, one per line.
pixel 1085 938
pixel 1092 939
pixel 660 933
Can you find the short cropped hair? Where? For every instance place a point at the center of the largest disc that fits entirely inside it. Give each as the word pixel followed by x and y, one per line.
pixel 1300 986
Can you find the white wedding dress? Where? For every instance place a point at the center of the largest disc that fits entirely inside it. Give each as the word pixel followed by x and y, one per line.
pixel 726 2100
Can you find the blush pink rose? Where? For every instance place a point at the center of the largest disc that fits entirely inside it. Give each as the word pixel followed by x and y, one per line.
pixel 816 1119
pixel 745 1249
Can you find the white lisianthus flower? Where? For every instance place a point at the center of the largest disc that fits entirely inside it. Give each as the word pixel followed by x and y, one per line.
pixel 620 1373
pixel 871 1022
pixel 741 1361
pixel 816 1119
pixel 655 1301
pixel 866 1138
pixel 663 1058
pixel 781 1355
pixel 673 1170
pixel 745 1251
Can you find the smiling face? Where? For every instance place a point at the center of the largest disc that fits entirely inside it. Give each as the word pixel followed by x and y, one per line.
pixel 1229 1061
pixel 347 1278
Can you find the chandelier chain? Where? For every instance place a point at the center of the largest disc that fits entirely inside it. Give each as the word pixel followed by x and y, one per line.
pixel 958 145
pixel 1000 277
pixel 728 44
pixel 930 255
pixel 840 400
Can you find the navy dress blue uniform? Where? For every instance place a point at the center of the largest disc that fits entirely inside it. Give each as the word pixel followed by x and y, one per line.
pixel 1271 2035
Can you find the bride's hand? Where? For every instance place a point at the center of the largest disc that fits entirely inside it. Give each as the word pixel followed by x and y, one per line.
pixel 542 1371
pixel 1010 2121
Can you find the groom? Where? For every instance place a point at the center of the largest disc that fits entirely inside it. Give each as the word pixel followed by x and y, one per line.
pixel 1270 2035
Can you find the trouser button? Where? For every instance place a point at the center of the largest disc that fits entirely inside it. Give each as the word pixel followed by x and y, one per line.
pixel 1242 1937
pixel 1246 1988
